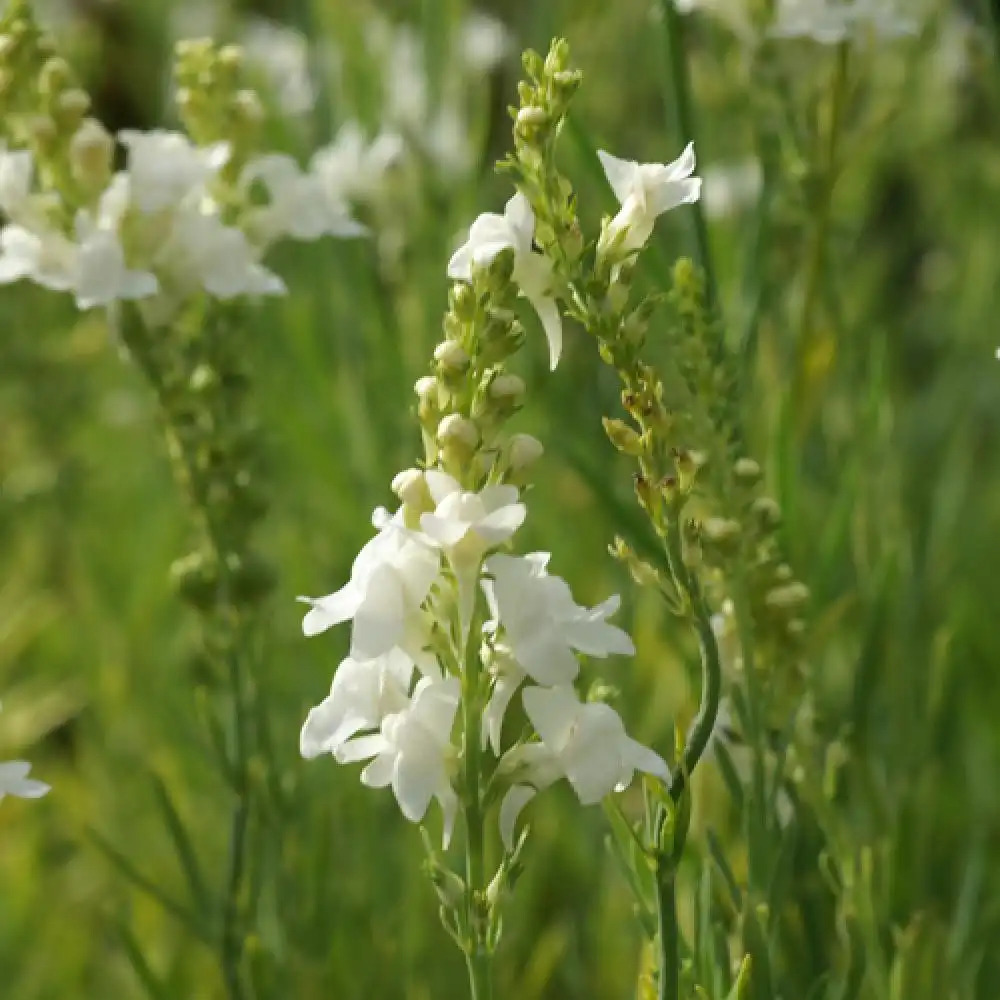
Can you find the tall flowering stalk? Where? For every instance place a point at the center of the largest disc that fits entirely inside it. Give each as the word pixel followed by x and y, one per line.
pixel 448 624
pixel 171 248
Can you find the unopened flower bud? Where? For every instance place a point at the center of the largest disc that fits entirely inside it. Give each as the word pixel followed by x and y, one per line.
pixel 90 153
pixel 230 58
pixel 767 512
pixel 452 357
pixel 523 450
pixel 626 439
pixel 507 388
pixel 71 106
pixel 463 301
pixel 43 132
pixel 458 430
pixel 788 597
pixel 783 573
pixel 411 488
pixel 722 532
pixel 747 471
pixel 54 76
pixel 642 572
pixel 247 107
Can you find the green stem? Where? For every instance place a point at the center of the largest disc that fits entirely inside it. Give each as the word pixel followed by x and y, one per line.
pixel 477 950
pixel 821 233
pixel 668 933
pixel 711 667
pixel 680 83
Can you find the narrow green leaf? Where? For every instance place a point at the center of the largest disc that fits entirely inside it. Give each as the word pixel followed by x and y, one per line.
pixel 186 854
pixel 719 857
pixel 140 966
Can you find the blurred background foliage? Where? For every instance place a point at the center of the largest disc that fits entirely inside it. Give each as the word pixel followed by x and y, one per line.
pixel 879 435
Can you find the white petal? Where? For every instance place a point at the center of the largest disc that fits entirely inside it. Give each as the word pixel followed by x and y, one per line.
pixel 675 193
pixel 413 783
pixel 513 803
pixel 683 166
pixel 379 619
pixel 548 313
pixel 440 485
pixel 621 174
pixel 552 712
pixel 362 748
pixel 380 771
pixel 521 221
pixel 331 610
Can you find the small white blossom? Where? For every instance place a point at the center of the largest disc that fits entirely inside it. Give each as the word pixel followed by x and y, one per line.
pixel 483 42
pixel 492 233
pixel 14 780
pixel 584 742
pixel 202 250
pixel 728 188
pixel 646 191
pixel 299 206
pixel 413 752
pixel 166 167
pixel 282 53
pixel 833 21
pixel 390 578
pixel 466 524
pixel 351 168
pixel 542 623
pixel 363 693
pixel 48 258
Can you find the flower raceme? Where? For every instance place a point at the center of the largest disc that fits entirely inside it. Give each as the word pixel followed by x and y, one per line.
pixel 157 230
pixel 407 598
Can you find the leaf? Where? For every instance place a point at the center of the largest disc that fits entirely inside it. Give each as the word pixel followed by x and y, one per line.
pixel 182 845
pixel 140 966
pixel 140 881
pixel 719 857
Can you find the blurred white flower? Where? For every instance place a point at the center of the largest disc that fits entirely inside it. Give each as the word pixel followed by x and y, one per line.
pixel 166 167
pixel 447 141
pixel 413 751
pixel 300 204
pixel 48 258
pixel 483 42
pixel 202 251
pixel 351 168
pixel 728 188
pixel 390 578
pixel 542 626
pixel 282 54
pixel 363 693
pixel 833 21
pixel 584 742
pixel 14 780
pixel 646 191
pixel 16 170
pixel 515 229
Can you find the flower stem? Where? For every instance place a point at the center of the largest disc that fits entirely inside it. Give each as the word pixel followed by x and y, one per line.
pixel 668 934
pixel 821 232
pixel 680 85
pixel 477 945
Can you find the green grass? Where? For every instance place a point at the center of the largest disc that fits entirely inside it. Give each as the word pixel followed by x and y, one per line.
pixel 887 470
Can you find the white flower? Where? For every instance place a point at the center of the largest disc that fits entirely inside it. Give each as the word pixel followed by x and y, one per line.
pixel 352 168
pixel 391 577
pixel 542 623
pixel 14 780
pixel 728 188
pixel 833 21
pixel 165 167
pixel 413 751
pixel 483 42
pixel 646 191
pixel 492 233
pixel 47 257
pixel 584 742
pixel 299 205
pixel 283 55
pixel 16 170
pixel 363 693
pixel 202 250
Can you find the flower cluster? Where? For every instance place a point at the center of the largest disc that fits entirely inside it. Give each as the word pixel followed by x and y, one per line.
pixel 448 625
pixel 190 212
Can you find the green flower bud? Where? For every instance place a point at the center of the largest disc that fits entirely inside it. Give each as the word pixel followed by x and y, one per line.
pixel 90 155
pixel 71 106
pixel 462 301
pixel 523 451
pixel 411 488
pixel 767 512
pixel 452 358
pixel 747 471
pixel 507 389
pixel 626 439
pixel 787 598
pixel 54 77
pixel 722 533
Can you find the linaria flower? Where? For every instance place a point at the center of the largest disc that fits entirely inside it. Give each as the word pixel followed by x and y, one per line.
pixel 300 205
pixel 542 623
pixel 833 21
pixel 363 693
pixel 166 167
pixel 584 742
pixel 646 191
pixel 413 751
pixel 282 53
pixel 515 229
pixel 390 578
pixel 14 780
pixel 351 167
